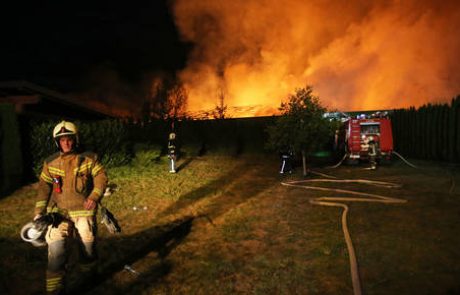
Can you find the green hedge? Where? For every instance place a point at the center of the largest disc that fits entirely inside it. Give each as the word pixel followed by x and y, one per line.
pixel 11 159
pixel 119 143
pixel 107 138
pixel 431 132
pixel 198 137
pixel 10 149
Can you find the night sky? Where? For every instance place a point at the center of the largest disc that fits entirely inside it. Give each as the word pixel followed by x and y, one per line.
pixel 58 43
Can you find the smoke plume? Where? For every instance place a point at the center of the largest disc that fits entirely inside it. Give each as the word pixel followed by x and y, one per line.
pixel 358 55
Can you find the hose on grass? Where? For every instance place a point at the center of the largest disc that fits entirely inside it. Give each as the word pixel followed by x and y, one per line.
pixel 451 173
pixel 405 161
pixel 321 174
pixel 339 163
pixel 394 152
pixel 337 202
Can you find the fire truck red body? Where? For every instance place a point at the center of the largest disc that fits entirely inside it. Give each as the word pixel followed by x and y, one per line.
pixel 355 135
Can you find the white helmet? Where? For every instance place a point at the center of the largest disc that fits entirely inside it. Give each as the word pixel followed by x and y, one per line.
pixel 65 128
pixel 31 234
pixel 172 136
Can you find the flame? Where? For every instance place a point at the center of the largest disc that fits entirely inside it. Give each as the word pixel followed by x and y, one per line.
pixel 358 55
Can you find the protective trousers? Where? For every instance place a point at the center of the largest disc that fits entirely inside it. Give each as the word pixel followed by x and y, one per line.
pixel 372 154
pixel 83 230
pixel 172 163
pixel 286 166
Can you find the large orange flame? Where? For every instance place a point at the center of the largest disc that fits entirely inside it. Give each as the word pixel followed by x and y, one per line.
pixel 358 55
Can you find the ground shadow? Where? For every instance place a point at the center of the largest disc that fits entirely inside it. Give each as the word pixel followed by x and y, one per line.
pixel 251 183
pixel 161 239
pixel 245 181
pixel 127 250
pixel 16 256
pixel 216 185
pixel 184 164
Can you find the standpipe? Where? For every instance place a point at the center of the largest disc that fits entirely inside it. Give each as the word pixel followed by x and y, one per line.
pixel 337 202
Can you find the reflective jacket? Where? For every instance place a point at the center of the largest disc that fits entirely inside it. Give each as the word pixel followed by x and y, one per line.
pixel 171 147
pixel 67 180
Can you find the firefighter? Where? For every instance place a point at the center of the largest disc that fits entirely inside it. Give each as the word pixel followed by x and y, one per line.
pixel 172 152
pixel 71 184
pixel 372 152
pixel 286 160
pixel 335 145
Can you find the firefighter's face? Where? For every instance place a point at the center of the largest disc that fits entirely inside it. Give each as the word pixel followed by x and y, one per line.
pixel 67 143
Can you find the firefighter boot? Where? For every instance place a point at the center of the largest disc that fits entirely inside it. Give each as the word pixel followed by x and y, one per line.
pixel 172 168
pixel 55 274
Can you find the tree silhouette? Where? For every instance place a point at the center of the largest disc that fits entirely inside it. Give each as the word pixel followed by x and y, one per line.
pixel 176 103
pixel 301 125
pixel 220 111
pixel 167 100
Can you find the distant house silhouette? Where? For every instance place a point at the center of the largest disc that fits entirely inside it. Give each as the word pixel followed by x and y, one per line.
pixel 20 102
pixel 33 100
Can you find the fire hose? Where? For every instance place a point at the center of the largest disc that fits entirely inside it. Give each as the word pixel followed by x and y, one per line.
pixel 394 152
pixel 339 163
pixel 452 178
pixel 405 161
pixel 337 202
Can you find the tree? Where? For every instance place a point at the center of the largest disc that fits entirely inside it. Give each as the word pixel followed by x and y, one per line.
pixel 301 125
pixel 166 99
pixel 220 111
pixel 176 104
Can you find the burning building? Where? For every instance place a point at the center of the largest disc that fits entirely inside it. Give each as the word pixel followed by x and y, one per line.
pixel 358 55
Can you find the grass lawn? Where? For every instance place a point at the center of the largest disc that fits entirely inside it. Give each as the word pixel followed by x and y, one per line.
pixel 225 225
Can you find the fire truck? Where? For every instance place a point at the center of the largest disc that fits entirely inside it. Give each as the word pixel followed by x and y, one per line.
pixel 355 134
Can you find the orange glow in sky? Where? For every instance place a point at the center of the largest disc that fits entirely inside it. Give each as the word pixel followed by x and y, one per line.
pixel 357 55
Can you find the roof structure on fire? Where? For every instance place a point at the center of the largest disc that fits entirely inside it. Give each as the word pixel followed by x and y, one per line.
pixel 35 100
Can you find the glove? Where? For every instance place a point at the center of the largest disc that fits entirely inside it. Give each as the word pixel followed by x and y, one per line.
pixel 42 221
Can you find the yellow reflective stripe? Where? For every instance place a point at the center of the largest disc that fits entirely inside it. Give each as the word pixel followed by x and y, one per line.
pixel 53 280
pixel 40 204
pixel 97 191
pixel 81 213
pixel 53 284
pixel 53 287
pixel 56 171
pixel 50 287
pixel 55 210
pixel 82 168
pixel 96 169
pixel 46 178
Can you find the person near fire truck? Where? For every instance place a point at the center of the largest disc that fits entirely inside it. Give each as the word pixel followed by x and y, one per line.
pixel 71 184
pixel 372 152
pixel 172 152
